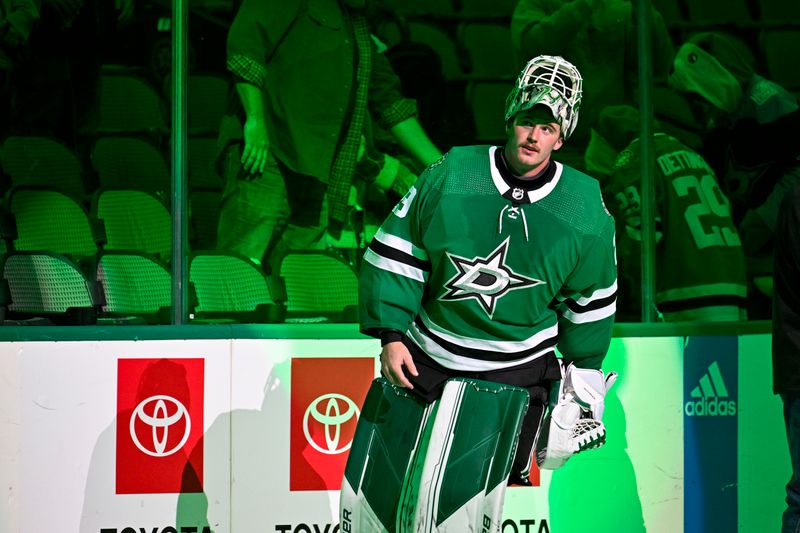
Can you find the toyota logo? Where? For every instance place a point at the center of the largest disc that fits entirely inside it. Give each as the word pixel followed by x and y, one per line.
pixel 327 410
pixel 166 412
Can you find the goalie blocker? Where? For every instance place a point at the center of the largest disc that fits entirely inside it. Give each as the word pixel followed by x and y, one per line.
pixel 438 467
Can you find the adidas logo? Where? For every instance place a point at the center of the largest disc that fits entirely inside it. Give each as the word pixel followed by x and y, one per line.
pixel 710 394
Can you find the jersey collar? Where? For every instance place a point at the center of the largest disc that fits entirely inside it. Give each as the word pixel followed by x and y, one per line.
pixel 522 191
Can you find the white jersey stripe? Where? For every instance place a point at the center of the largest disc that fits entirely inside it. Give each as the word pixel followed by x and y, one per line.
pixel 393 241
pixel 499 182
pixel 458 362
pixel 599 294
pixel 395 267
pixel 590 316
pixel 537 194
pixel 489 345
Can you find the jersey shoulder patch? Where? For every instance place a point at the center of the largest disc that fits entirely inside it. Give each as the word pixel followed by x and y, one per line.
pixel 762 91
pixel 623 160
pixel 438 162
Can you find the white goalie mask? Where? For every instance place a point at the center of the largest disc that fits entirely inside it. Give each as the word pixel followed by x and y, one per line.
pixel 552 81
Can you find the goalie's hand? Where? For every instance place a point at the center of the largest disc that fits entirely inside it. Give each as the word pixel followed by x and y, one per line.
pixel 395 356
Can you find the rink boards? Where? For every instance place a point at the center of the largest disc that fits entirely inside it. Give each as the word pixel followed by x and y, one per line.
pixel 252 434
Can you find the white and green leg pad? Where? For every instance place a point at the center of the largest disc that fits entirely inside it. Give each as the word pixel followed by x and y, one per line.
pixel 438 468
pixel 392 427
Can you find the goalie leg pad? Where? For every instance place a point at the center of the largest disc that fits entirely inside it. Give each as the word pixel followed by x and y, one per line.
pixel 463 477
pixel 392 428
pixel 575 422
pixel 440 467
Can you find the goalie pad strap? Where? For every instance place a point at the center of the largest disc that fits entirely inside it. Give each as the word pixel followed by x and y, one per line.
pixel 529 432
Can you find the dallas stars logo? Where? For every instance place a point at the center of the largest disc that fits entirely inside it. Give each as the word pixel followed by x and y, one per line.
pixel 485 279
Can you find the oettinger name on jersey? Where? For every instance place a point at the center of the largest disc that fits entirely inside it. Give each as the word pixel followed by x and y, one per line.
pixel 710 396
pixel 485 279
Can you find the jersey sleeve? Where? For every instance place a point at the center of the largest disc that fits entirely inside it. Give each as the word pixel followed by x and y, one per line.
pixel 587 301
pixel 627 202
pixel 396 265
pixel 254 35
pixel 385 99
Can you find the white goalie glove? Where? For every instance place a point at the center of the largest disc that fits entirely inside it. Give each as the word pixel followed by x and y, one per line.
pixel 574 423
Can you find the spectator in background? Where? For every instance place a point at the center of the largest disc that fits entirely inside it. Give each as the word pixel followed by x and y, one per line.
pixel 442 106
pixel 700 268
pixel 786 341
pixel 730 98
pixel 307 73
pixel 599 36
pixel 57 87
pixel 16 20
pixel 443 113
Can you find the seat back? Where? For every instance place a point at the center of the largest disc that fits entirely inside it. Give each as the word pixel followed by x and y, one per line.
pixel 50 220
pixel 130 162
pixel 488 50
pixel 48 285
pixel 134 220
pixel 128 104
pixel 134 283
pixel 319 284
pixel 442 42
pixel 42 161
pixel 486 101
pixel 231 286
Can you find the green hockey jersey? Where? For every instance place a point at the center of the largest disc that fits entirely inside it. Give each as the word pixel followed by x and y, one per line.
pixel 700 266
pixel 484 271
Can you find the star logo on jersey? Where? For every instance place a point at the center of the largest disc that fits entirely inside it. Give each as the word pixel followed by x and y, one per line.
pixel 485 279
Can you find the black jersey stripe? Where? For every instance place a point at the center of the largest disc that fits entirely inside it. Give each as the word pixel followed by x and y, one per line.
pixel 599 303
pixel 483 355
pixel 687 304
pixel 397 255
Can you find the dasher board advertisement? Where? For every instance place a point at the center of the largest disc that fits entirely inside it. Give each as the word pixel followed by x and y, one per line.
pixel 243 435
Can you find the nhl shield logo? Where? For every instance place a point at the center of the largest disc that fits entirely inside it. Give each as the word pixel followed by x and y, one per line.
pixel 517 194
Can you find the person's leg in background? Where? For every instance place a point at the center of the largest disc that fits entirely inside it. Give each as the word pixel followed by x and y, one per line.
pixel 306 228
pixel 791 415
pixel 253 208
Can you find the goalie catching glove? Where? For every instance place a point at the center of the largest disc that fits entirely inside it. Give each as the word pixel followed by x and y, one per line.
pixel 574 423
